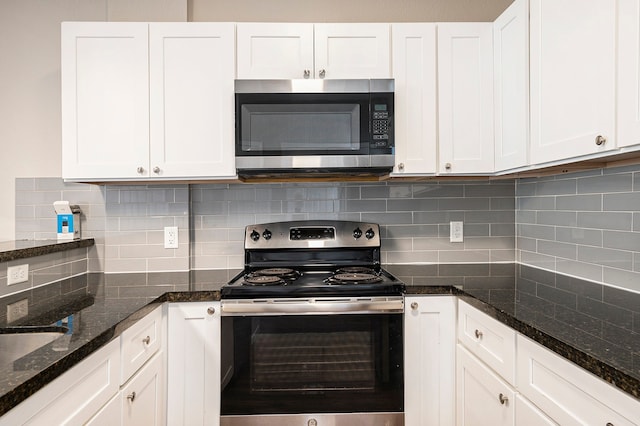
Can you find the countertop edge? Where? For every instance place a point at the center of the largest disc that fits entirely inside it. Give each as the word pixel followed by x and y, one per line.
pixel 46 247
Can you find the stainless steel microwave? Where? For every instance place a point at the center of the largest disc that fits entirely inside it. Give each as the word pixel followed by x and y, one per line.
pixel 314 127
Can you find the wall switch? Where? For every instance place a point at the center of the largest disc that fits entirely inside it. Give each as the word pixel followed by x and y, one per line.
pixel 455 232
pixel 17 310
pixel 17 274
pixel 170 237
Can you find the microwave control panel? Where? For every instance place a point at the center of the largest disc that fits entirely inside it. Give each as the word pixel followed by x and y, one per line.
pixel 381 132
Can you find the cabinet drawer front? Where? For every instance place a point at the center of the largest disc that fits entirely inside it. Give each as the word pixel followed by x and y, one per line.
pixel 140 342
pixel 494 343
pixel 483 397
pixel 569 394
pixel 75 396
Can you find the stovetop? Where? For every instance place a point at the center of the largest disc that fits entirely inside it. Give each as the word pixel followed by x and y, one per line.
pixel 312 258
pixel 312 282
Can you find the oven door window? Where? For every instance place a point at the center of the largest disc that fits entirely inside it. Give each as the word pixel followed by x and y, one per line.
pixel 302 124
pixel 313 363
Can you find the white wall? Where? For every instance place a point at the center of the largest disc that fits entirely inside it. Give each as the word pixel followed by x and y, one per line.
pixel 30 59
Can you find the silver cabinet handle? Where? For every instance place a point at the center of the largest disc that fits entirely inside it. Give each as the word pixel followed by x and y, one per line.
pixel 211 310
pixel 401 167
pixel 414 305
pixel 478 334
pixel 146 340
pixel 447 166
pixel 156 170
pixel 600 140
pixel 503 399
pixel 609 424
pixel 322 73
pixel 132 396
pixel 140 170
pixel 307 74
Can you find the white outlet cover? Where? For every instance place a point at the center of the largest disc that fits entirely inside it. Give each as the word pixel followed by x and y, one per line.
pixel 171 237
pixel 17 274
pixel 456 232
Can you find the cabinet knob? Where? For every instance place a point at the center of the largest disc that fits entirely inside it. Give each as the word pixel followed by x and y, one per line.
pixel 146 340
pixel 322 73
pixel 132 396
pixel 478 334
pixel 503 399
pixel 156 170
pixel 600 140
pixel 211 310
pixel 414 305
pixel 609 424
pixel 307 73
pixel 447 166
pixel 140 170
pixel 401 167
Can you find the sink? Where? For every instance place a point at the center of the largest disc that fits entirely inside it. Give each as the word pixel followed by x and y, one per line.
pixel 18 342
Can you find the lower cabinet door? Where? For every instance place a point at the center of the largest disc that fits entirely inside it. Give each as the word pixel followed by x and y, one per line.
pixel 109 415
pixel 429 360
pixel 142 397
pixel 193 358
pixel 483 397
pixel 528 414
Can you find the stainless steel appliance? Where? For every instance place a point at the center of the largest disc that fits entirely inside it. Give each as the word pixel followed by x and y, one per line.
pixel 316 326
pixel 314 126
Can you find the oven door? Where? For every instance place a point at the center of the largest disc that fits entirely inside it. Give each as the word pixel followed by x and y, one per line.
pixel 312 356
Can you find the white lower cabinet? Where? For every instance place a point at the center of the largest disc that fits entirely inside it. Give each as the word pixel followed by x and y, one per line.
pixel 528 414
pixel 75 396
pixel 484 398
pixel 568 394
pixel 429 360
pixel 193 396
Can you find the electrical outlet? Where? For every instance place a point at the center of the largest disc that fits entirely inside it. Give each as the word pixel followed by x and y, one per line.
pixel 170 237
pixel 455 232
pixel 17 310
pixel 17 274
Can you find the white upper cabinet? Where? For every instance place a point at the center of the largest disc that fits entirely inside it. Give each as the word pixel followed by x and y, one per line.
pixel 143 101
pixel 415 103
pixel 267 50
pixel 573 78
pixel 289 51
pixel 352 51
pixel 465 91
pixel 628 73
pixel 105 100
pixel 511 86
pixel 191 97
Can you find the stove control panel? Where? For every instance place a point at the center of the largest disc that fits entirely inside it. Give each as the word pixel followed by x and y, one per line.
pixel 312 234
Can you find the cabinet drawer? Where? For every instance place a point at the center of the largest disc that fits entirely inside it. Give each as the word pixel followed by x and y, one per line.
pixel 569 394
pixel 494 343
pixel 75 396
pixel 140 342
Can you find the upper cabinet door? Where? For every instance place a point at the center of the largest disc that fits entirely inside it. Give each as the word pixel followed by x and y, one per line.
pixel 415 103
pixel 270 50
pixel 465 90
pixel 628 73
pixel 352 51
pixel 105 100
pixel 572 53
pixel 511 86
pixel 191 80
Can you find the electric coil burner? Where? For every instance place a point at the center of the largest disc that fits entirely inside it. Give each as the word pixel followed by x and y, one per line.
pixel 313 329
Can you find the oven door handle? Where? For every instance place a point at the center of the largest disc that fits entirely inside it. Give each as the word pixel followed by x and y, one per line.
pixel 377 305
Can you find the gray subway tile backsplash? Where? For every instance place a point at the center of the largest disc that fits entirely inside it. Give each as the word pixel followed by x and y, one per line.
pixel 585 224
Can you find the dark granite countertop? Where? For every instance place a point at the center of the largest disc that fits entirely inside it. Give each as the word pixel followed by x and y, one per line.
pixel 22 249
pixel 595 326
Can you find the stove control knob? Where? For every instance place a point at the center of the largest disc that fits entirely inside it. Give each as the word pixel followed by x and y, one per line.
pixel 255 236
pixel 369 234
pixel 266 234
pixel 357 233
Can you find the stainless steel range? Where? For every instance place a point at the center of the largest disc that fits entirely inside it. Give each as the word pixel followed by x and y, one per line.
pixel 312 329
